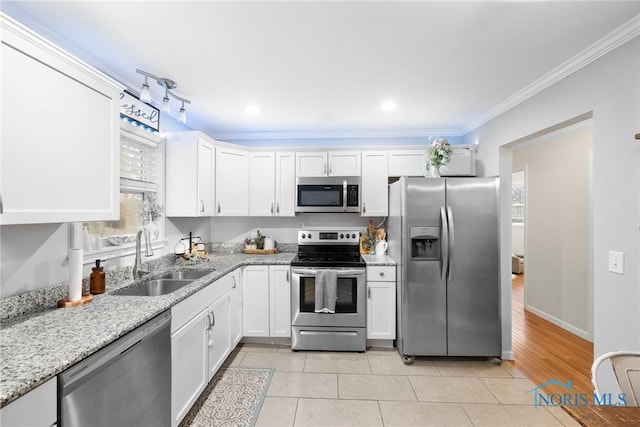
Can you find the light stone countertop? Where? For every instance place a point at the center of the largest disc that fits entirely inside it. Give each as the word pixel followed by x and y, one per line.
pixel 37 347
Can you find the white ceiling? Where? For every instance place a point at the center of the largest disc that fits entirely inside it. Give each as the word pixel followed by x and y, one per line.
pixel 324 68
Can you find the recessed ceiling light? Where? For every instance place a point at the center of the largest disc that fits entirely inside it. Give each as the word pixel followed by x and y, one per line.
pixel 388 106
pixel 252 109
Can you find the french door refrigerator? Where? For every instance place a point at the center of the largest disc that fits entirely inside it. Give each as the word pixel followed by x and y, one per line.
pixel 443 232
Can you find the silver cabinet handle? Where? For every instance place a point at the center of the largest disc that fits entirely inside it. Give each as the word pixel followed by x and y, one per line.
pixel 287 277
pixel 271 208
pixel 381 274
pixel 1 205
pixel 213 319
pixel 364 207
pixel 209 325
pixel 369 292
pixel 234 282
pixel 218 207
pixel 201 205
pixel 330 168
pixel 277 207
pixel 324 168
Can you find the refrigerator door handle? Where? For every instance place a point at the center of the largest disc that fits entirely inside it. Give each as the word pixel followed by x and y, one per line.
pixel 452 243
pixel 444 245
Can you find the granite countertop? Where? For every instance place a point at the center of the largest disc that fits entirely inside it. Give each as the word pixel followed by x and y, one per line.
pixel 39 346
pixel 378 260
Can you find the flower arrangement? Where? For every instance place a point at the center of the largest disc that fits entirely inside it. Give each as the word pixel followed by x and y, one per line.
pixel 151 209
pixel 439 153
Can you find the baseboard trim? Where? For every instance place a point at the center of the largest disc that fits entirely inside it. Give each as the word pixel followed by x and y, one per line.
pixel 508 355
pixel 561 323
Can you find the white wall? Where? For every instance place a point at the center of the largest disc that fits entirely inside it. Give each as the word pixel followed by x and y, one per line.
pixel 517 230
pixel 557 281
pixel 608 89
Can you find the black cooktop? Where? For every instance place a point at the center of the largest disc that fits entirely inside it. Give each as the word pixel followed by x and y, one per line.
pixel 325 256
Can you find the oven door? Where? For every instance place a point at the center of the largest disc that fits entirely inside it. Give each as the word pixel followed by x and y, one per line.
pixel 350 301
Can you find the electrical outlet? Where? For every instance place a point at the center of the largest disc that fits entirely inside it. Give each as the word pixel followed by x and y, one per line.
pixel 616 262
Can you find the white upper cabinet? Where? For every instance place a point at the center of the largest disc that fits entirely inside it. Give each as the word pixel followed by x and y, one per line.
pixel 60 140
pixel 232 182
pixel 374 183
pixel 409 162
pixel 331 163
pixel 190 175
pixel 271 184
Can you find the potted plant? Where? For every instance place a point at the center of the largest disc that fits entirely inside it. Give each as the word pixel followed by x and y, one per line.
pixel 438 154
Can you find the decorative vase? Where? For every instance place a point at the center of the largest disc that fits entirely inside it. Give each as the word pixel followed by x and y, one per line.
pixel 434 171
pixel 154 230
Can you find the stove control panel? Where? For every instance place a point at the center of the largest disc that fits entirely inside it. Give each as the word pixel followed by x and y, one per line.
pixel 328 237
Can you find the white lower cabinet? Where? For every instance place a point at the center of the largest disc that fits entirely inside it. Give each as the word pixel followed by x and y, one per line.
pixel 35 409
pixel 200 341
pixel 236 307
pixel 266 294
pixel 381 302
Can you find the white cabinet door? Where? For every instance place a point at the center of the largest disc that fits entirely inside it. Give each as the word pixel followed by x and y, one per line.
pixel 189 377
pixel 343 163
pixel 381 310
pixel 190 175
pixel 255 301
pixel 407 162
pixel 375 178
pixel 236 308
pixel 309 163
pixel 206 178
pixel 232 182
pixel 262 180
pixel 381 302
pixel 35 409
pixel 285 183
pixel 332 163
pixel 60 135
pixel 219 333
pixel 279 301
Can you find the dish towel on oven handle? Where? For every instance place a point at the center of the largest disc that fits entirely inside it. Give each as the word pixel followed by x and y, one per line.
pixel 326 291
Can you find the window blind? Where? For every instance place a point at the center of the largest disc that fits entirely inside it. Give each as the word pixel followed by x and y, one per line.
pixel 138 163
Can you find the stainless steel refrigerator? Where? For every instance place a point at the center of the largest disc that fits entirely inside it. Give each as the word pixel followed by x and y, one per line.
pixel 443 232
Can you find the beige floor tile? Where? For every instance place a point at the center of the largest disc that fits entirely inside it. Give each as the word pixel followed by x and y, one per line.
pixel 509 415
pixel 338 363
pixel 263 348
pixel 234 359
pixel 511 390
pixel 562 416
pixel 300 384
pixel 451 389
pixel 375 387
pixel 513 371
pixel 278 361
pixel 478 369
pixel 335 413
pixel 385 365
pixel 423 414
pixel 382 351
pixel 277 411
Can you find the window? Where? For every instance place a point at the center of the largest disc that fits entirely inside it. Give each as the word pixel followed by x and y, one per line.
pixel 139 176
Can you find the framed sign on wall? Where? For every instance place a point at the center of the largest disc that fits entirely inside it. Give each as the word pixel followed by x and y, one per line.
pixel 133 109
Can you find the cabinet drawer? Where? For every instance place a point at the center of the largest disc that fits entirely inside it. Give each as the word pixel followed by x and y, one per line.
pixel 381 273
pixel 185 310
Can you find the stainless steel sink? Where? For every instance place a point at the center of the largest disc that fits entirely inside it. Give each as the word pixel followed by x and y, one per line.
pixel 184 275
pixel 154 288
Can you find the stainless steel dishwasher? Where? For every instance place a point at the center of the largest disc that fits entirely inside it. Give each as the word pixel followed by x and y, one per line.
pixel 127 383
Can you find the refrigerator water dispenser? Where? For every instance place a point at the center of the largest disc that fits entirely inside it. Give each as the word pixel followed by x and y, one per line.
pixel 425 243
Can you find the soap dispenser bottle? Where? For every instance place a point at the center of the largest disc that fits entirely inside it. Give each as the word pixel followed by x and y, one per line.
pixel 97 279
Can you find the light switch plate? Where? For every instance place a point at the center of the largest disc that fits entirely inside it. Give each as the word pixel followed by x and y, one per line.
pixel 616 262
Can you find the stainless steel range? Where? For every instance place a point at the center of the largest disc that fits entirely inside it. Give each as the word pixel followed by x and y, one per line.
pixel 328 292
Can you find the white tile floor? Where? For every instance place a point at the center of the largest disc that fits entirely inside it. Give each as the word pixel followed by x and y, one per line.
pixel 376 389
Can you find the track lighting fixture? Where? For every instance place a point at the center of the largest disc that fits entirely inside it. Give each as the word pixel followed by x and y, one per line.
pixel 168 85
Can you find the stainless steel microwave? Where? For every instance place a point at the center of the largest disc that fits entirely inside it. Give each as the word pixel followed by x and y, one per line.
pixel 328 194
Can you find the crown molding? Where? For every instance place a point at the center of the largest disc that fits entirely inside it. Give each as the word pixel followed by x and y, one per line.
pixel 331 134
pixel 613 40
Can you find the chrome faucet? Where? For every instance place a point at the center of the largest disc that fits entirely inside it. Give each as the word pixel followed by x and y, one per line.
pixel 148 251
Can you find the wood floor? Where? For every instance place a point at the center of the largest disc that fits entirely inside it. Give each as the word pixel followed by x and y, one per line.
pixel 544 351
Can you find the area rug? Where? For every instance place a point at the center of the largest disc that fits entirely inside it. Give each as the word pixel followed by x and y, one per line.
pixel 233 398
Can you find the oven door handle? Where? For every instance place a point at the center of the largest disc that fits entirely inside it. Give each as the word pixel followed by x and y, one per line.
pixel 341 273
